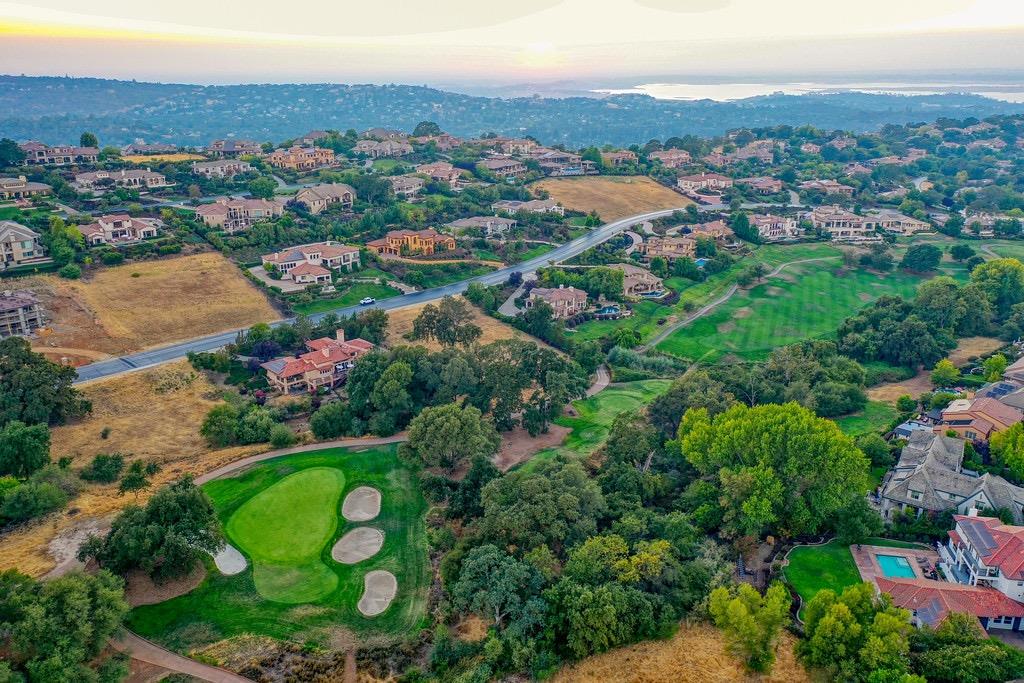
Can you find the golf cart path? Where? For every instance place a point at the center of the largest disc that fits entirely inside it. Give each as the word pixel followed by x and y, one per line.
pixel 145 651
pixel 708 307
pixel 601 380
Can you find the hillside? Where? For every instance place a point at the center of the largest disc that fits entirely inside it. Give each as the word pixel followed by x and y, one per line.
pixel 56 110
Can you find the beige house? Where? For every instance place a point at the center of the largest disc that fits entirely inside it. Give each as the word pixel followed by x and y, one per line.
pixel 771 228
pixel 444 141
pixel 637 281
pixel 135 179
pixel 516 145
pixel 61 155
pixel 565 301
pixel 843 225
pixel 530 206
pixel 383 148
pixel 119 228
pixel 703 181
pixel 321 197
pixel 669 248
pixel 220 168
pixel 427 241
pixel 671 158
pixel 327 364
pixel 509 169
pixel 762 184
pixel 977 419
pixel 894 221
pixel 20 313
pixel 313 263
pixel 233 215
pixel 19 246
pixel 406 185
pixel 827 186
pixel 383 134
pixel 301 158
pixel 20 188
pixel 492 226
pixel 716 230
pixel 619 157
pixel 440 171
pixel 234 148
pixel 143 148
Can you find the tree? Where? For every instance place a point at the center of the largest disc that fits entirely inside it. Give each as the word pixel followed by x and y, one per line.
pixel 390 397
pixel 961 252
pixel 449 435
pixel 777 468
pixel 906 403
pixel 450 323
pixel 945 374
pixel 495 585
pixel 957 652
pixel 1002 281
pixel 55 630
pixel 857 522
pixel 921 258
pixel 105 468
pixel 592 619
pixel 88 139
pixel 1007 449
pixel 695 389
pixel 331 420
pixel 10 153
pixel 165 539
pixel 262 187
pixel 220 426
pixel 23 449
pixel 136 478
pixel 426 128
pixel 35 391
pixel 994 366
pixel 751 622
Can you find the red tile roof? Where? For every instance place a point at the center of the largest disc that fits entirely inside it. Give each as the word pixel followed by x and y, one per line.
pixel 1007 552
pixel 933 600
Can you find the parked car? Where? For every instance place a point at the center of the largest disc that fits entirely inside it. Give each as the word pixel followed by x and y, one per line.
pixel 367 300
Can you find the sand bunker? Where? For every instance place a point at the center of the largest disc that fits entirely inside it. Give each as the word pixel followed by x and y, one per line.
pixel 379 588
pixel 361 505
pixel 229 561
pixel 358 545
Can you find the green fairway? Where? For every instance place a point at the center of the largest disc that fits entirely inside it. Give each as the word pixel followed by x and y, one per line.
pixel 594 416
pixel 875 417
pixel 806 301
pixel 284 515
pixel 283 529
pixel 349 297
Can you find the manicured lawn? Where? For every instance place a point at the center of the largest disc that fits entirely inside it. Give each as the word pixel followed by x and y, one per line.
pixel 349 297
pixel 594 416
pixel 486 255
pixel 806 301
pixel 442 274
pixel 533 252
pixel 875 417
pixel 285 514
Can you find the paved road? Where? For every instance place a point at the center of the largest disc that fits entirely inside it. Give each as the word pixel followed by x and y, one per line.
pixel 165 354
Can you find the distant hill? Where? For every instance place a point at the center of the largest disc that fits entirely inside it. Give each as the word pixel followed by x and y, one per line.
pixel 56 110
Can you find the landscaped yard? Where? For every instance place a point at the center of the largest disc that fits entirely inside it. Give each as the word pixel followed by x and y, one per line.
pixel 875 417
pixel 349 297
pixel 284 515
pixel 612 197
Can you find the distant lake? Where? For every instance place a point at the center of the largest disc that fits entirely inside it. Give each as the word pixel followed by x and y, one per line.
pixel 723 92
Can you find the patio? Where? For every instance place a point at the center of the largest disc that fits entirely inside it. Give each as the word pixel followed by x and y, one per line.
pixel 922 562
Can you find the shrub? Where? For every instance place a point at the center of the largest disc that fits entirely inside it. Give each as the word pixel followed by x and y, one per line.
pixel 70 271
pixel 32 500
pixel 104 469
pixel 112 258
pixel 281 436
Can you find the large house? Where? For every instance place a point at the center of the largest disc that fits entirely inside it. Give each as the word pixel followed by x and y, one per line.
pixel 619 157
pixel 311 137
pixel 119 228
pixel 671 158
pixel 827 186
pixel 565 301
pixel 321 197
pixel 771 228
pixel 142 148
pixel 426 241
pixel 509 169
pixel 637 281
pixel 301 158
pixel 61 155
pixel 220 168
pixel 514 145
pixel 703 181
pixel 383 148
pixel 232 214
pixel 930 602
pixel 929 478
pixel 383 134
pixel 669 248
pixel 406 185
pixel 440 171
pixel 977 419
pixel 21 188
pixel 716 230
pixel 444 141
pixel 135 179
pixel 20 313
pixel 894 221
pixel 762 184
pixel 529 206
pixel 19 246
pixel 326 364
pixel 312 263
pixel 492 226
pixel 234 148
pixel 843 225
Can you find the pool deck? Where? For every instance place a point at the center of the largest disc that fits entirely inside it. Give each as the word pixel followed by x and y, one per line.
pixel 867 564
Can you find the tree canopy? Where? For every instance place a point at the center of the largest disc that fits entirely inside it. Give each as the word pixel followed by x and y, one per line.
pixel 35 391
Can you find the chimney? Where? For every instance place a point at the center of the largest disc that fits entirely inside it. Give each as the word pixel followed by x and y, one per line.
pixel 973 512
pixel 339 334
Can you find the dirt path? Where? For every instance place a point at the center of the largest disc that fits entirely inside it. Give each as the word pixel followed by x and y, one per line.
pixel 69 351
pixel 145 651
pixel 707 308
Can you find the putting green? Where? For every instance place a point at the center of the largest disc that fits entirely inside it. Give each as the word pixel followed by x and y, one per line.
pixel 283 530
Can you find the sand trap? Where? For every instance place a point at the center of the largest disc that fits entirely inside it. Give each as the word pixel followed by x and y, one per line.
pixel 379 588
pixel 361 505
pixel 229 561
pixel 357 545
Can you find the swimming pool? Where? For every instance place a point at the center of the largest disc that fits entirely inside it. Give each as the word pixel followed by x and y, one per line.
pixel 895 567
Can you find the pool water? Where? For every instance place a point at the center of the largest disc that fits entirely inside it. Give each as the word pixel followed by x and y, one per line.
pixel 895 567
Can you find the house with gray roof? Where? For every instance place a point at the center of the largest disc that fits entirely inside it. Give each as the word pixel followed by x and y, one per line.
pixel 929 478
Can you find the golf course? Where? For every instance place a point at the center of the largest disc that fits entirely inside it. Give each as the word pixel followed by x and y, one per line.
pixel 286 516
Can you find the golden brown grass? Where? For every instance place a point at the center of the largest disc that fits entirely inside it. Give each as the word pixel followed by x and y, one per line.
pixel 966 348
pixel 154 158
pixel 972 347
pixel 613 197
pixel 143 423
pixel 152 303
pixel 696 653
pixel 400 323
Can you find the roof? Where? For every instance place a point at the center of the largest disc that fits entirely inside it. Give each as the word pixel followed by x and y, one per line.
pixel 998 545
pixel 308 269
pixel 323 352
pixel 327 250
pixel 933 600
pixel 559 293
pixel 17 299
pixel 17 229
pixel 987 409
pixel 326 191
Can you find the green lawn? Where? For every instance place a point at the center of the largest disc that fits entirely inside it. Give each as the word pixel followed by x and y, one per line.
pixel 875 417
pixel 594 416
pixel 285 513
pixel 534 252
pixel 349 297
pixel 441 274
pixel 806 301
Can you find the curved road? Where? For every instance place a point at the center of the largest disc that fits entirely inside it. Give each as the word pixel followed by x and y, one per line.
pixel 164 354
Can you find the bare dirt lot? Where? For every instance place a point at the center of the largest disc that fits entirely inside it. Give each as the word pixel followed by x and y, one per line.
pixel 695 653
pixel 612 197
pixel 140 305
pixel 967 348
pixel 152 415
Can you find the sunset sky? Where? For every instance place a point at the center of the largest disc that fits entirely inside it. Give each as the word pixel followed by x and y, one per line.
pixel 448 41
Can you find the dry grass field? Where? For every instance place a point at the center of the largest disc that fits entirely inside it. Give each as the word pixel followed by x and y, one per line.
pixel 612 197
pixel 152 415
pixel 696 653
pixel 154 158
pixel 152 303
pixel 400 323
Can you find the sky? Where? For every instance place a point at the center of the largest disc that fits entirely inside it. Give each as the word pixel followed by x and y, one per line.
pixel 490 41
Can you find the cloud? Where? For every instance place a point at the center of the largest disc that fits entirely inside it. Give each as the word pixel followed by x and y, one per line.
pixel 685 6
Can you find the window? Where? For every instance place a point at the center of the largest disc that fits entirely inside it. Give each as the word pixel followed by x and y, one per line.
pixel 915 495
